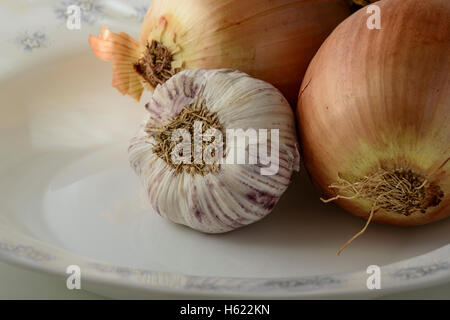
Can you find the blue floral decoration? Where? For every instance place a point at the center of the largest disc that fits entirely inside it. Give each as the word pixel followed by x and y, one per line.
pixel 121 271
pixel 420 272
pixel 140 13
pixel 31 41
pixel 27 252
pixel 315 281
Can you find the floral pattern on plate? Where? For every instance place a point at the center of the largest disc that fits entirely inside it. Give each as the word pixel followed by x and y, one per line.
pixel 30 41
pixel 26 251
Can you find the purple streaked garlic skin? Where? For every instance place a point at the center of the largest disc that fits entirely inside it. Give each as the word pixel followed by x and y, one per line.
pixel 226 196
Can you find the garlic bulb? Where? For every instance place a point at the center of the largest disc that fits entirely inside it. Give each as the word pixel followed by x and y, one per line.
pixel 248 174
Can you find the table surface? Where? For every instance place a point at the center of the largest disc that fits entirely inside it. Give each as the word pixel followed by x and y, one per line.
pixel 18 283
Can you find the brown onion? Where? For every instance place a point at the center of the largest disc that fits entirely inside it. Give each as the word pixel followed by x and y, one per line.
pixel 270 40
pixel 374 114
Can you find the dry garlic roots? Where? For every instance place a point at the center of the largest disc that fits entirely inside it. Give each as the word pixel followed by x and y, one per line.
pixel 217 149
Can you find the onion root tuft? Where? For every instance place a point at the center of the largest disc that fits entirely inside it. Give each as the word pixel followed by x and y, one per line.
pixel 400 191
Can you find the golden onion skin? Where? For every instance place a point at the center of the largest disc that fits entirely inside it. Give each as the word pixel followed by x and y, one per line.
pixel 376 99
pixel 272 40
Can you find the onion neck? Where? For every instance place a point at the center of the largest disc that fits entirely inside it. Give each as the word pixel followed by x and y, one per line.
pixel 155 66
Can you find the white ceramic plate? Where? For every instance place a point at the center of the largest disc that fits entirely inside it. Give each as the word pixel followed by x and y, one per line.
pixel 68 196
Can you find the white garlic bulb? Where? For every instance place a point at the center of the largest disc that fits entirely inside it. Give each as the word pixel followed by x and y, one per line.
pixel 224 193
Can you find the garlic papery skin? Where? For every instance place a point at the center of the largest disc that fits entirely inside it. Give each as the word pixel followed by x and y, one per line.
pixel 233 195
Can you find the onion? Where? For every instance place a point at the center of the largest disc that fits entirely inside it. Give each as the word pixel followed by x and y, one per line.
pixel 270 40
pixel 374 114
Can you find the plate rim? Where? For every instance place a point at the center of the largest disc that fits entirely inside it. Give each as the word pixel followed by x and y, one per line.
pixel 34 254
pixel 417 272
